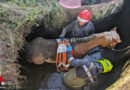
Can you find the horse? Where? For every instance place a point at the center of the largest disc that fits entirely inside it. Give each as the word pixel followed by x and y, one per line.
pixel 42 50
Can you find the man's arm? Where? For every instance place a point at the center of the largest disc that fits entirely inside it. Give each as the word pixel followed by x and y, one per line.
pixel 75 62
pixel 78 62
pixel 67 29
pixel 93 29
pixel 90 29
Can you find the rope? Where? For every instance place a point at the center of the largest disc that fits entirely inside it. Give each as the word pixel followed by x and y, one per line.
pixel 128 47
pixel 121 49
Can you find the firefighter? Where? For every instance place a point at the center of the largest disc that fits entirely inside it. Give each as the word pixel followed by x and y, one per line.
pixel 85 71
pixel 81 27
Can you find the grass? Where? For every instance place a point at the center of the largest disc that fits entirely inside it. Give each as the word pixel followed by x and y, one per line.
pixel 17 17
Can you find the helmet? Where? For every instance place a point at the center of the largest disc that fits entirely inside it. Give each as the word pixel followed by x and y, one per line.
pixel 84 16
pixel 1 79
pixel 107 65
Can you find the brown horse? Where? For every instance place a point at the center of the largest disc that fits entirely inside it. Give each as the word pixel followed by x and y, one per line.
pixel 44 50
pixel 105 39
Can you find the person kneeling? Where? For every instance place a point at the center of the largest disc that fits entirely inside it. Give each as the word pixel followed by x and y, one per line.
pixel 85 71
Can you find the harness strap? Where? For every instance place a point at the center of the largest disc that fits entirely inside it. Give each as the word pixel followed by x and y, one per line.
pixel 57 62
pixel 61 59
pixel 87 71
pixel 128 47
pixel 58 56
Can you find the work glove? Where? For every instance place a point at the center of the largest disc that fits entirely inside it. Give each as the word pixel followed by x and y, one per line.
pixel 69 51
pixel 61 36
pixel 63 39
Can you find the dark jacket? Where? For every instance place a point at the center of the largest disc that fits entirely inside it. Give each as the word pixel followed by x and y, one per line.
pixel 91 57
pixel 77 31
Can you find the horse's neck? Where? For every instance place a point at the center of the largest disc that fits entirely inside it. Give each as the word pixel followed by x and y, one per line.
pixel 82 48
pixel 94 43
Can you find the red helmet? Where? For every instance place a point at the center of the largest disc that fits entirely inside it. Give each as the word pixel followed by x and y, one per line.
pixel 84 16
pixel 1 79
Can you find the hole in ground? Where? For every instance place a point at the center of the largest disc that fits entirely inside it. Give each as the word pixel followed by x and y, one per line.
pixel 41 31
pixel 37 75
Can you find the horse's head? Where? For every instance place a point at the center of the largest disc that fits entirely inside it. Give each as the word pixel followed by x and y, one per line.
pixel 38 60
pixel 41 50
pixel 111 38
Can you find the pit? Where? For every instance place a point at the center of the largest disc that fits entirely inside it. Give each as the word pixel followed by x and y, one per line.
pixel 38 75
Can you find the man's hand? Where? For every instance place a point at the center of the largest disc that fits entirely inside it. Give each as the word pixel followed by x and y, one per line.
pixel 61 36
pixel 63 39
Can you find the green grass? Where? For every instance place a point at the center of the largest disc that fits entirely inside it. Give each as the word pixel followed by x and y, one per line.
pixel 53 15
pixel 26 3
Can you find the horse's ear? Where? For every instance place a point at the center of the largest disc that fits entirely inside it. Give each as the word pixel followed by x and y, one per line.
pixel 114 29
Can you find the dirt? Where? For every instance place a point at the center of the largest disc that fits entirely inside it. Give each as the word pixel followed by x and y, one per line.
pixel 123 82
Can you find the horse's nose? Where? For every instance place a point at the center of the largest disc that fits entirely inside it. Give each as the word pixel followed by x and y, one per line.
pixel 118 41
pixel 38 60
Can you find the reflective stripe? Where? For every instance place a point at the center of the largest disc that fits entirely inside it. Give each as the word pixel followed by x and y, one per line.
pixel 82 20
pixel 60 64
pixel 66 65
pixel 72 40
pixel 88 73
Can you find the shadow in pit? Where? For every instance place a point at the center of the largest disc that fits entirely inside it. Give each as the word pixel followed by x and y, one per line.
pixel 41 31
pixel 35 75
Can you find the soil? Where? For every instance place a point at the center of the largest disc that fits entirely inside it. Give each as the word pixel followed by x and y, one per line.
pixel 123 82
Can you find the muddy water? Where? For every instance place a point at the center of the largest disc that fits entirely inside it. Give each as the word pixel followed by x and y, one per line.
pixel 41 77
